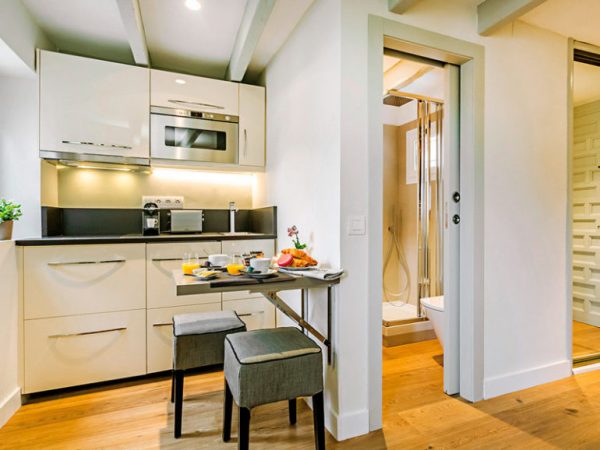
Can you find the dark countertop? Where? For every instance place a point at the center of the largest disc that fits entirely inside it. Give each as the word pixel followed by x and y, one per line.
pixel 139 239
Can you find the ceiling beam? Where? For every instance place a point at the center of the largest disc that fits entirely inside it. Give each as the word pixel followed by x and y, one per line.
pixel 400 6
pixel 134 29
pixel 493 14
pixel 255 19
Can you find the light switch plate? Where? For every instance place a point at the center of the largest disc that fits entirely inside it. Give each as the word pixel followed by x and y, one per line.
pixel 357 225
pixel 164 201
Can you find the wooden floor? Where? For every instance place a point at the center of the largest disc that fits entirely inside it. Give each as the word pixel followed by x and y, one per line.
pixel 586 339
pixel 563 414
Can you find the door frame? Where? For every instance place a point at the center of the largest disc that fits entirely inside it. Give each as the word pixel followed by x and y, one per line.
pixel 468 321
pixel 571 47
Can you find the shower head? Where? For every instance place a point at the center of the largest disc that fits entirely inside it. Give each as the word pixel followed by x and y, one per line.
pixel 395 100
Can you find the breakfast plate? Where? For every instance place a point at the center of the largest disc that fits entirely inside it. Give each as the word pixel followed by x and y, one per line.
pixel 259 275
pixel 298 269
pixel 204 274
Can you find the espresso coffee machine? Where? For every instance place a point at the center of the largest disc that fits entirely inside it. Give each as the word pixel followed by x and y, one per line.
pixel 151 220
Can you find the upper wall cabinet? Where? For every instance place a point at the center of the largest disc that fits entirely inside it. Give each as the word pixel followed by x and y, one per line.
pixel 173 90
pixel 90 107
pixel 252 126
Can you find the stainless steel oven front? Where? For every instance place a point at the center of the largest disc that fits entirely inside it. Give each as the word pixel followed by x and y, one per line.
pixel 183 135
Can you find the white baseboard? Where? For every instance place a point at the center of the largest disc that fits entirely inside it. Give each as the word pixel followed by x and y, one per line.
pixel 347 426
pixel 9 405
pixel 585 369
pixel 516 381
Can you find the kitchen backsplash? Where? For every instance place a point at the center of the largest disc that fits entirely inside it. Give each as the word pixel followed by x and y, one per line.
pixel 69 187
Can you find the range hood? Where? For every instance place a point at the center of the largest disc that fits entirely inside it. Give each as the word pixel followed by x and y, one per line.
pixel 84 160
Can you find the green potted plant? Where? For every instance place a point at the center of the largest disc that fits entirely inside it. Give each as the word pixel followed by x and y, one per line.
pixel 9 212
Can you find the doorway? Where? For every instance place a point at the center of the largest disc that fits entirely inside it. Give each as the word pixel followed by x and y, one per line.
pixel 585 212
pixel 420 179
pixel 467 309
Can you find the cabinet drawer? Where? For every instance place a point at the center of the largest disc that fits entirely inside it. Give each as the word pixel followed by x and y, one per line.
pixel 162 259
pixel 70 351
pixel 81 279
pixel 256 313
pixel 160 333
pixel 195 93
pixel 267 246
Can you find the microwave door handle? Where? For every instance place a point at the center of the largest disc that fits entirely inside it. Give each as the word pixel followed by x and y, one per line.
pixel 207 105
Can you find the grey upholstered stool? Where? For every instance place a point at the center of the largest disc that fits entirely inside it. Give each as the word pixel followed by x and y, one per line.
pixel 198 342
pixel 266 366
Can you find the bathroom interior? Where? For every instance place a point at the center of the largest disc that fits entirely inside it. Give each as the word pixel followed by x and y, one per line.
pixel 586 207
pixel 413 106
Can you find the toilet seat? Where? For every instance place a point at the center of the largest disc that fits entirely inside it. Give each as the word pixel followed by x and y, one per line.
pixel 435 303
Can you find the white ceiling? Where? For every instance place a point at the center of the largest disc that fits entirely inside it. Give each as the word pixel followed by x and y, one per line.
pixel 178 39
pixel 577 19
pixel 427 80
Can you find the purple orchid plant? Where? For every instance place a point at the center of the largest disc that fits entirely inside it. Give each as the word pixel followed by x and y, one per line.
pixel 293 233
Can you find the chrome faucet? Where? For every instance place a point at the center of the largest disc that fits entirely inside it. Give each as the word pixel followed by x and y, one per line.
pixel 232 210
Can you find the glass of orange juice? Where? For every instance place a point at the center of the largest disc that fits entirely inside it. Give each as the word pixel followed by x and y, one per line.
pixel 189 263
pixel 237 264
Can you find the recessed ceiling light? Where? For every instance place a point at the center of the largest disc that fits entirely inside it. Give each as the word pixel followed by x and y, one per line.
pixel 194 5
pixel 179 81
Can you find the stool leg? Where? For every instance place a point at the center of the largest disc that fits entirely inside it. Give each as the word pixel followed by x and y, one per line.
pixel 319 419
pixel 244 429
pixel 227 413
pixel 172 385
pixel 178 375
pixel 292 409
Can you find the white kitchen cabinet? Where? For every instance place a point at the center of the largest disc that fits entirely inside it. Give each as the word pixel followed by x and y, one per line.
pixel 162 259
pixel 256 313
pixel 94 107
pixel 267 246
pixel 70 351
pixel 160 333
pixel 174 90
pixel 252 126
pixel 64 280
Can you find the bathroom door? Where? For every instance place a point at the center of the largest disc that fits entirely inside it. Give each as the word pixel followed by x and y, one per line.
pixel 451 224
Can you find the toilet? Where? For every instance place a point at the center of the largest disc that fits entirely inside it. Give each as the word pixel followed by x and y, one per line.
pixel 434 310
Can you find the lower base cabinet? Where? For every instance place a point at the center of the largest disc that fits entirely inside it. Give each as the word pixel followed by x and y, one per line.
pixel 160 333
pixel 70 351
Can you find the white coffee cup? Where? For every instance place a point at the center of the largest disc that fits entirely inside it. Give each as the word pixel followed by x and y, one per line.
pixel 219 260
pixel 260 264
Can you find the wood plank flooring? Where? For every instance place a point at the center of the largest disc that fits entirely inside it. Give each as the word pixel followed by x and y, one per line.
pixel 563 414
pixel 586 339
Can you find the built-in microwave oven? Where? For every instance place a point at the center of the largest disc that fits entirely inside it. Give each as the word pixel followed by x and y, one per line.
pixel 181 135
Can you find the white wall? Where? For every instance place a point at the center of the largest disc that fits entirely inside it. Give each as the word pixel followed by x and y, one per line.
pixel 10 398
pixel 19 160
pixel 525 174
pixel 303 158
pixel 19 32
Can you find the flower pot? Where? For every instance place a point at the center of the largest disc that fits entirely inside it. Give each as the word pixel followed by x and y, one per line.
pixel 6 230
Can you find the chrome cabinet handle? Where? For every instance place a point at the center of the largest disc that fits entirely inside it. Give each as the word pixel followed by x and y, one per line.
pixel 165 324
pixel 245 142
pixel 184 102
pixel 126 147
pixel 174 259
pixel 86 333
pixel 74 263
